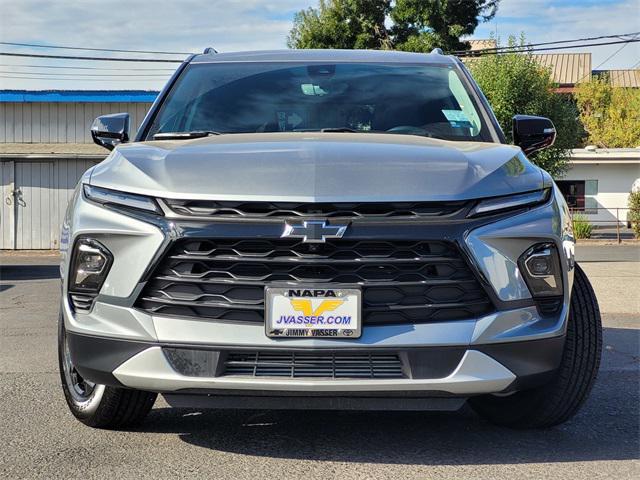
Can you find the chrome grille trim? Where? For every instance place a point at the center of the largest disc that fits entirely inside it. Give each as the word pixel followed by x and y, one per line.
pixel 279 210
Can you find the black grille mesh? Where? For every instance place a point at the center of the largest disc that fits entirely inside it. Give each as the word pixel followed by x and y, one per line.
pixel 402 281
pixel 313 365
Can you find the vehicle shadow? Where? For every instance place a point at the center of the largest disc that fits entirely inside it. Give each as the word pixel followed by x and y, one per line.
pixel 29 272
pixel 607 428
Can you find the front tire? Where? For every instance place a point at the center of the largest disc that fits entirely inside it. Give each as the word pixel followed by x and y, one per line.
pixel 96 405
pixel 560 399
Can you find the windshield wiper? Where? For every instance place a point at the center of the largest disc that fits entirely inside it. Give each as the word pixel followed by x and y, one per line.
pixel 339 130
pixel 184 135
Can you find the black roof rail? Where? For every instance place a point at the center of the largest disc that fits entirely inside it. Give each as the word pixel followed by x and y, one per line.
pixel 209 50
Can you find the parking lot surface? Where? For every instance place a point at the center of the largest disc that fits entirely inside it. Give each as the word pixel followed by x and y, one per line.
pixel 40 439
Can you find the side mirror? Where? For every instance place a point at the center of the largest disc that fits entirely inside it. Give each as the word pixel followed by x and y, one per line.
pixel 533 133
pixel 110 130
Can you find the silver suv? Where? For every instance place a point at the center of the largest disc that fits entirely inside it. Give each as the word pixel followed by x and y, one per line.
pixel 323 230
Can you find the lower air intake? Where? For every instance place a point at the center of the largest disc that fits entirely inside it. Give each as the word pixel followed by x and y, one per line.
pixel 287 364
pixel 313 365
pixel 82 303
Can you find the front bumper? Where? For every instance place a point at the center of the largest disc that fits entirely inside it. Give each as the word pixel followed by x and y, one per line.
pixel 512 348
pixel 429 371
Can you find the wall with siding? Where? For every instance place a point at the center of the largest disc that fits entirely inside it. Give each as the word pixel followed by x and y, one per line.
pixel 32 220
pixel 7 226
pixel 60 122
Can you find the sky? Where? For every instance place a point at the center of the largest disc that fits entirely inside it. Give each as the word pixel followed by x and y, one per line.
pixel 232 25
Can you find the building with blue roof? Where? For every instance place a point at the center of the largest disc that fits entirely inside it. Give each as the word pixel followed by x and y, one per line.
pixel 77 96
pixel 65 116
pixel 45 147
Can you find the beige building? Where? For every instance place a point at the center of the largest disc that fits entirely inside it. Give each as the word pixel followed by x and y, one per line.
pixel 571 68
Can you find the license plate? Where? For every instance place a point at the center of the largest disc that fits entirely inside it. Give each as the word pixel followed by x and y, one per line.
pixel 313 311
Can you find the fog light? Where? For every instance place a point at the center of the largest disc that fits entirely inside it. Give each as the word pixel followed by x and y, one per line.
pixel 540 267
pixel 90 265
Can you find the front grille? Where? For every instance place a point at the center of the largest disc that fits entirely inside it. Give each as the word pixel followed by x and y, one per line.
pixel 312 365
pixel 226 209
pixel 401 281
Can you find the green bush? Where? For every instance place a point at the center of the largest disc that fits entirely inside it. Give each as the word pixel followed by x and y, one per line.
pixel 634 212
pixel 581 226
pixel 516 83
pixel 610 115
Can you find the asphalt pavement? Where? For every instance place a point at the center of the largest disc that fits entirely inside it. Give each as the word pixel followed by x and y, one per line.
pixel 598 252
pixel 40 439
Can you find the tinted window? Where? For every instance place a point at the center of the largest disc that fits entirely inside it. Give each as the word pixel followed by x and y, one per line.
pixel 256 97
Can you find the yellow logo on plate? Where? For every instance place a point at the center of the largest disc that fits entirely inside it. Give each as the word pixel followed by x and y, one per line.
pixel 305 306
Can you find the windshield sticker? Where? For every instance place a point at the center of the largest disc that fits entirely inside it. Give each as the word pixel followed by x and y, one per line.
pixel 288 121
pixel 457 118
pixel 455 115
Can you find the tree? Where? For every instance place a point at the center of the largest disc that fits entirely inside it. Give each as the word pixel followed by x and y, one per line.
pixel 610 115
pixel 421 26
pixel 633 216
pixel 412 25
pixel 342 24
pixel 515 83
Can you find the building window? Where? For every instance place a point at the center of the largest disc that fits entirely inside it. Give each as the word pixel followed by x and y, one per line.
pixel 580 195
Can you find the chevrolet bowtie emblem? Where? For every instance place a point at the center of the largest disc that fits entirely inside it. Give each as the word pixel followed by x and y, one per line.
pixel 314 231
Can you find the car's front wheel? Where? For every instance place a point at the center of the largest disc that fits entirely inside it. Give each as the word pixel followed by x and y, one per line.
pixel 561 398
pixel 95 405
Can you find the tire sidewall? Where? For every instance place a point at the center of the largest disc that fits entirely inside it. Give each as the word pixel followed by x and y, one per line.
pixel 80 409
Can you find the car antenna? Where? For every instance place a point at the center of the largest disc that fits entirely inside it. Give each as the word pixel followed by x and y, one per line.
pixel 209 50
pixel 437 51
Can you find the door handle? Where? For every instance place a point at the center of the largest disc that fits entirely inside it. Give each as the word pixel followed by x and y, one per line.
pixel 17 196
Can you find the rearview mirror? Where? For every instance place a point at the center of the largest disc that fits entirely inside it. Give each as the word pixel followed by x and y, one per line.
pixel 110 130
pixel 533 133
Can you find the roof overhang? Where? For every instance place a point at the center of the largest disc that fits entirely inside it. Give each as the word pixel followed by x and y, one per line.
pixel 602 156
pixel 77 96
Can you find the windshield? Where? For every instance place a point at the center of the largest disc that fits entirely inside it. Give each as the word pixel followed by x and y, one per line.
pixel 427 100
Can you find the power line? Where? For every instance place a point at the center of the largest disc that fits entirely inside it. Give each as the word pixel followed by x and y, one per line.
pixel 610 56
pixel 65 47
pixel 604 61
pixel 88 68
pixel 586 39
pixel 532 50
pixel 524 49
pixel 107 59
pixel 92 49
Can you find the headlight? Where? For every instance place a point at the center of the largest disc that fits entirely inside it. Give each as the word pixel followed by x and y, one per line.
pixel 115 198
pixel 540 267
pixel 500 204
pixel 90 265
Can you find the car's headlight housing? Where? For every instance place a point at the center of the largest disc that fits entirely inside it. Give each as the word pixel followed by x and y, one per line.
pixel 540 267
pixel 495 205
pixel 119 199
pixel 90 265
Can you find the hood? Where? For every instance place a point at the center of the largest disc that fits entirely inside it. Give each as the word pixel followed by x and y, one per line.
pixel 318 167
